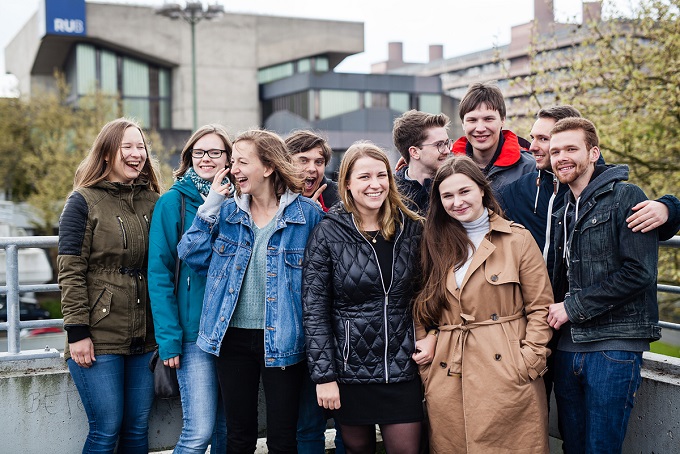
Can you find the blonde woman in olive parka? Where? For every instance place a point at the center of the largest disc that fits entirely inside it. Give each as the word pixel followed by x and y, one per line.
pixel 103 243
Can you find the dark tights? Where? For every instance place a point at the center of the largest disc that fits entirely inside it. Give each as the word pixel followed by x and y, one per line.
pixel 397 438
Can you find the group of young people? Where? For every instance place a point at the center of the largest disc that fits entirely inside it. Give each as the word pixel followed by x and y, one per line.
pixel 360 300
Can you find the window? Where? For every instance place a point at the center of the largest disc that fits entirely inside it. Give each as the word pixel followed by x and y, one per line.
pixel 337 102
pixel 399 102
pixel 144 89
pixel 430 103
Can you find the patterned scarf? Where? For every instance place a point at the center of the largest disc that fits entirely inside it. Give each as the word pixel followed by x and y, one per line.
pixel 201 184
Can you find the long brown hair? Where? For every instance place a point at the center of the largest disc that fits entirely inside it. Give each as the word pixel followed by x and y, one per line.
pixel 185 159
pixel 95 168
pixel 388 216
pixel 445 242
pixel 273 153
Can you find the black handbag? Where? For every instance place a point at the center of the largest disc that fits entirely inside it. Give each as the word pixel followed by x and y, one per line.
pixel 164 378
pixel 165 383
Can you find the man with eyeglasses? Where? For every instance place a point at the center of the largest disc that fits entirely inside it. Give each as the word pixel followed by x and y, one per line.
pixel 423 142
pixel 502 155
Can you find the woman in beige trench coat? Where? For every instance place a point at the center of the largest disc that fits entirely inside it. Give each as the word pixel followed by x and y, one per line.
pixel 485 301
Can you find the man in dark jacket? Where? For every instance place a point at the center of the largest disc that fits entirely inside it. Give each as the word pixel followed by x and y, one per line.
pixel 535 197
pixel 311 155
pixel 532 199
pixel 605 282
pixel 502 156
pixel 423 142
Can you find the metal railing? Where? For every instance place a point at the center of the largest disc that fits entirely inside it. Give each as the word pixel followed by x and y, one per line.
pixel 14 325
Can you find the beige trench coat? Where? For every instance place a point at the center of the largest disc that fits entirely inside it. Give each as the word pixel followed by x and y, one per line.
pixel 483 390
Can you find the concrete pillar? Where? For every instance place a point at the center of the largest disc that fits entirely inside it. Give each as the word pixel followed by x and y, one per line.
pixel 592 11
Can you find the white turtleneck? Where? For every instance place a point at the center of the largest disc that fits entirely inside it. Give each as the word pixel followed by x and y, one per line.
pixel 476 231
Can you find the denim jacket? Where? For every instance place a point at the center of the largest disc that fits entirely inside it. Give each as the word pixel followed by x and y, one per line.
pixel 222 246
pixel 610 280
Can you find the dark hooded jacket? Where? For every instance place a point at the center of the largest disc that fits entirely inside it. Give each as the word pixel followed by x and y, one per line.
pixel 356 330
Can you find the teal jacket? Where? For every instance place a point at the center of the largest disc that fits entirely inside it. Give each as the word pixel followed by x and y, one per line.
pixel 175 318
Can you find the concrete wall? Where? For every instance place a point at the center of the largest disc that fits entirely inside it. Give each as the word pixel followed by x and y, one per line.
pixel 229 52
pixel 42 411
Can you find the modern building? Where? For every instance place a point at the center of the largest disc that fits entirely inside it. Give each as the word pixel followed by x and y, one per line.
pixel 252 71
pixel 503 64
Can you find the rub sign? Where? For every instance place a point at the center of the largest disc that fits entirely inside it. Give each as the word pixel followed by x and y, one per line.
pixel 64 17
pixel 69 26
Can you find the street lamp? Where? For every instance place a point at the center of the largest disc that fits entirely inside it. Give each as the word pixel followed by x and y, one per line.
pixel 193 13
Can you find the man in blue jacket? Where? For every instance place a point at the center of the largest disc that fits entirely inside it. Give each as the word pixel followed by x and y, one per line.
pixel 535 197
pixel 605 284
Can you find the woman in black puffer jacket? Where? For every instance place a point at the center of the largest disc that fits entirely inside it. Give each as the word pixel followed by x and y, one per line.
pixel 359 280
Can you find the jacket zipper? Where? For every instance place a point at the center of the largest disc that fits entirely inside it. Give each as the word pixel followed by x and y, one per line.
pixel 387 291
pixel 345 347
pixel 122 229
pixel 148 224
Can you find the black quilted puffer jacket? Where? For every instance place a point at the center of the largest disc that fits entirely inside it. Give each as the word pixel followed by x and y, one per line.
pixel 357 331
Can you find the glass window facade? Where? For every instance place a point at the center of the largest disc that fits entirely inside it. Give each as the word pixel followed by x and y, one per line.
pixel 399 101
pixel 337 102
pixel 430 103
pixel 304 65
pixel 144 89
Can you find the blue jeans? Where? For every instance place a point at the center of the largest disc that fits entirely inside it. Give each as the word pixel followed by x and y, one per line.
pixel 595 393
pixel 117 394
pixel 311 426
pixel 202 410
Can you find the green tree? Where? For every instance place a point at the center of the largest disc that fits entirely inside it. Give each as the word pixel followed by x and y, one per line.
pixel 623 73
pixel 44 140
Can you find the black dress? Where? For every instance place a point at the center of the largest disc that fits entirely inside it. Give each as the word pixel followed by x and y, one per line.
pixel 380 403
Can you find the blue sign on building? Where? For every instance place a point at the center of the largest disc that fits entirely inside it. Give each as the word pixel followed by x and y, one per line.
pixel 65 17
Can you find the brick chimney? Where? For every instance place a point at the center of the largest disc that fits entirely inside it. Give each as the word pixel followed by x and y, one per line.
pixel 544 14
pixel 395 52
pixel 592 11
pixel 436 52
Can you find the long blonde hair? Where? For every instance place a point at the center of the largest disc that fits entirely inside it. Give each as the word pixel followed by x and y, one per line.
pixel 273 153
pixel 388 216
pixel 95 167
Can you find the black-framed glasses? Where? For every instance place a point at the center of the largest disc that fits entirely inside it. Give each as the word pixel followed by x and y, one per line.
pixel 213 153
pixel 443 146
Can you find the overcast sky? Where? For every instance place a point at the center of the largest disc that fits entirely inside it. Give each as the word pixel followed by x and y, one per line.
pixel 462 26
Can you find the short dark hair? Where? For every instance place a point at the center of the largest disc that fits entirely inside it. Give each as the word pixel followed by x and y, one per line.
pixel 410 129
pixel 482 93
pixel 558 113
pixel 302 140
pixel 578 124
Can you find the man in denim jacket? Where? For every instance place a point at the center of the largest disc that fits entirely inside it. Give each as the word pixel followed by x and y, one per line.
pixel 605 282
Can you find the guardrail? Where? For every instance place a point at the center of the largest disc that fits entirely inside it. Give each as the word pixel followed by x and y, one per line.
pixel 14 325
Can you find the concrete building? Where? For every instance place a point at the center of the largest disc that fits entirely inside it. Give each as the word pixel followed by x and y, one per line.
pixel 503 63
pixel 248 68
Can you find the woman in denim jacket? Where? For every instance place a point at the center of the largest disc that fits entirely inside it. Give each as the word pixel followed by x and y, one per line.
pixel 176 301
pixel 251 248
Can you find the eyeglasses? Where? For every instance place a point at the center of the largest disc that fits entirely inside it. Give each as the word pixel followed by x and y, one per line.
pixel 213 153
pixel 443 146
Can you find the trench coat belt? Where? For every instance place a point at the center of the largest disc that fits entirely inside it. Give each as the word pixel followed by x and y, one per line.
pixel 469 323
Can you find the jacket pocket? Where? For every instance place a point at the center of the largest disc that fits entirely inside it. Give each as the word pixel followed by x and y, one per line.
pixel 293 261
pixel 517 356
pixel 345 344
pixel 101 307
pixel 595 239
